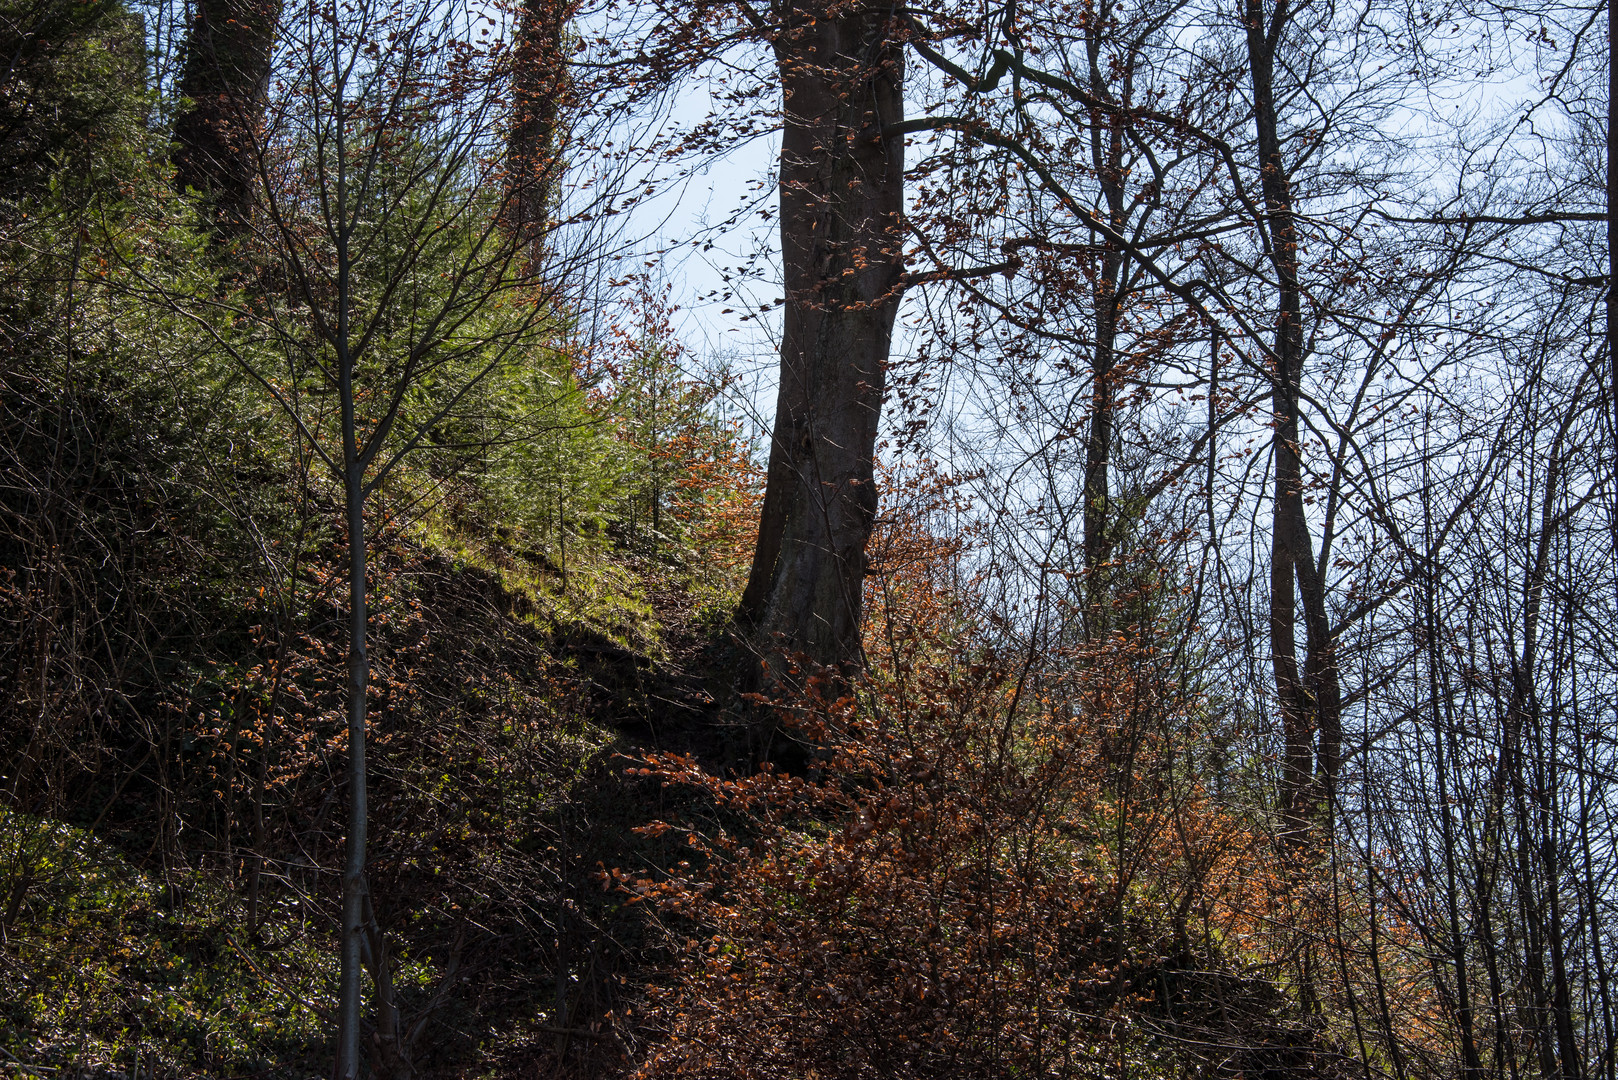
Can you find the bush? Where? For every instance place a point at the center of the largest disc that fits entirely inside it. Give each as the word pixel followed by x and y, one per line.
pixel 994 864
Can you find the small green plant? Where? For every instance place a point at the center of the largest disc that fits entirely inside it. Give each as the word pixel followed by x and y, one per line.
pixel 118 967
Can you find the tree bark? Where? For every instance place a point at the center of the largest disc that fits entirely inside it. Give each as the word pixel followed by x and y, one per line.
pixel 842 191
pixel 359 671
pixel 226 77
pixel 1310 702
pixel 1107 156
pixel 540 87
pixel 353 943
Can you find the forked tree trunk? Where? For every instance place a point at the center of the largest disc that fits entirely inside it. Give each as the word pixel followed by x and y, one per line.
pixel 226 77
pixel 1310 702
pixel 842 191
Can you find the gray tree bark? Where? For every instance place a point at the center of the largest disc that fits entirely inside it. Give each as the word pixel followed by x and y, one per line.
pixel 842 200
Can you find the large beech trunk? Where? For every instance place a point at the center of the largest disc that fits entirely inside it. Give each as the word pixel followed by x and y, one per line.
pixel 540 92
pixel 225 76
pixel 842 189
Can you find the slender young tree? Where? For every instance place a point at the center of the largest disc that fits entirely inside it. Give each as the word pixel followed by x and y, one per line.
pixel 1102 188
pixel 378 221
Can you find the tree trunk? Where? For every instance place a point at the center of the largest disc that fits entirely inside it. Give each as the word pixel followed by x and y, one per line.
pixel 842 192
pixel 354 461
pixel 390 1054
pixel 540 87
pixel 1313 701
pixel 226 77
pixel 1098 441
pixel 1107 156
pixel 353 943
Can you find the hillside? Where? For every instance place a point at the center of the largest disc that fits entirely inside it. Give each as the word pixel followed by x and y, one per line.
pixel 808 540
pixel 538 916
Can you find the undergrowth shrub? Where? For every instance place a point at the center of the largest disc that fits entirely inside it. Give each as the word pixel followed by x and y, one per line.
pixel 997 862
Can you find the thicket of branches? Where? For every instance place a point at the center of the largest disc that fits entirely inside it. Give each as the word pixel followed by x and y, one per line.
pixel 1167 626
